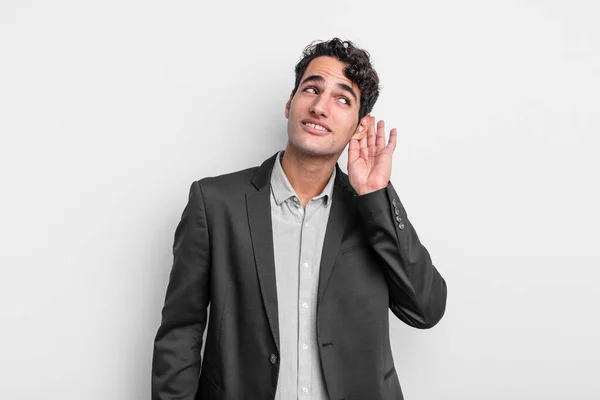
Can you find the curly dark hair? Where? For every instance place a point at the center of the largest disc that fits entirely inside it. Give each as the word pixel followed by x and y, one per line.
pixel 358 68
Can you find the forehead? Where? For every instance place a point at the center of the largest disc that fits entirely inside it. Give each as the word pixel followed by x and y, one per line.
pixel 331 69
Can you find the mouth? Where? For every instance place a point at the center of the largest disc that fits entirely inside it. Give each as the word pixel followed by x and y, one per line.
pixel 315 128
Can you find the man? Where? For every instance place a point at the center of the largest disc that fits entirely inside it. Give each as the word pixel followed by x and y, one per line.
pixel 299 261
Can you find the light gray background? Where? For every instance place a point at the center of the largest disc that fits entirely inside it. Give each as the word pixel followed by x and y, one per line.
pixel 109 110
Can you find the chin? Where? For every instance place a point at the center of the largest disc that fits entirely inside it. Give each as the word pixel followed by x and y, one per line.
pixel 312 147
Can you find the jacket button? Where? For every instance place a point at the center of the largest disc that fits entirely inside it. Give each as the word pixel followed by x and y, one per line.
pixel 273 359
pixel 398 218
pixel 401 225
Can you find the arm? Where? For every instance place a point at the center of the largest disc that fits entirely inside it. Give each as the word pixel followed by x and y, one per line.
pixel 417 290
pixel 176 360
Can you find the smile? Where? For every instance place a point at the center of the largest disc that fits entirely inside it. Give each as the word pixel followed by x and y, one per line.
pixel 315 126
pixel 315 129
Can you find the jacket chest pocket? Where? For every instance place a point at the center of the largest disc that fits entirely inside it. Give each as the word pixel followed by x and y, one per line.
pixel 207 390
pixel 208 386
pixel 361 268
pixel 391 384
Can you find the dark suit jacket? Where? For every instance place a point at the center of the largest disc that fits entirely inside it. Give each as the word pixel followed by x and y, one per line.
pixel 223 255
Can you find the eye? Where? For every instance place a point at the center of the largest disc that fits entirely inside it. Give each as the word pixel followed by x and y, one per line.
pixel 344 100
pixel 311 89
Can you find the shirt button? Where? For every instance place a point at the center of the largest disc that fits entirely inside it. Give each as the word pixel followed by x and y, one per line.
pixel 304 346
pixel 305 390
pixel 305 265
pixel 304 305
pixel 273 359
pixel 306 225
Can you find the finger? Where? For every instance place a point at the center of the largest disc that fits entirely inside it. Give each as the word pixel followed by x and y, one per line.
pixel 393 139
pixel 371 133
pixel 353 150
pixel 364 149
pixel 380 142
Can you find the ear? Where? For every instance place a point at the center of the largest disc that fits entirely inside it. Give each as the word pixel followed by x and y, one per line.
pixel 287 105
pixel 363 127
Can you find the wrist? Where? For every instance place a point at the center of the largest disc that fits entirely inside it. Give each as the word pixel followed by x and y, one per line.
pixel 366 190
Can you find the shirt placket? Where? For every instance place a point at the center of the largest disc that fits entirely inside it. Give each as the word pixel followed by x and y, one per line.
pixel 305 304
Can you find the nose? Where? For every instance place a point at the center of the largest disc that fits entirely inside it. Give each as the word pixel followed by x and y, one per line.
pixel 319 107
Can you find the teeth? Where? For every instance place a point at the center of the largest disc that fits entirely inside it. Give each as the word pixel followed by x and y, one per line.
pixel 319 127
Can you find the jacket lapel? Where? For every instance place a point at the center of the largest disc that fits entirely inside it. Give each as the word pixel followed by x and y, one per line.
pixel 336 226
pixel 259 218
pixel 258 204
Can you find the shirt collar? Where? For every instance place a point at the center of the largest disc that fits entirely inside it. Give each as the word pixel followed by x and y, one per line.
pixel 282 189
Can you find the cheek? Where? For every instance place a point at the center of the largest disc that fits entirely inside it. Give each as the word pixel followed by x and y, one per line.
pixel 301 104
pixel 346 124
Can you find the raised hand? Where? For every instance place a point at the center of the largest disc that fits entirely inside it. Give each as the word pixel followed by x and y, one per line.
pixel 370 159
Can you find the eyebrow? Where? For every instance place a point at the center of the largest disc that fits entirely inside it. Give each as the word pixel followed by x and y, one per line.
pixel 320 79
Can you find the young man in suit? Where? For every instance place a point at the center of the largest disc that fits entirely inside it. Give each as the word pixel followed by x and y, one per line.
pixel 299 261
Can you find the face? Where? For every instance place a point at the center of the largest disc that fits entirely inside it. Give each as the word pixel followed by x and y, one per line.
pixel 323 113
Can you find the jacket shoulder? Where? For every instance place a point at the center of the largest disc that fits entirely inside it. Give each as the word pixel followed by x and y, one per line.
pixel 227 184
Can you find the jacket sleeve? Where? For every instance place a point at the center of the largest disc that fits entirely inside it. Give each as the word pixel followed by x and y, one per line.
pixel 417 290
pixel 176 359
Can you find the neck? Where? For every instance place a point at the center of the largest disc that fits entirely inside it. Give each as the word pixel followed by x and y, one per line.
pixel 307 174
